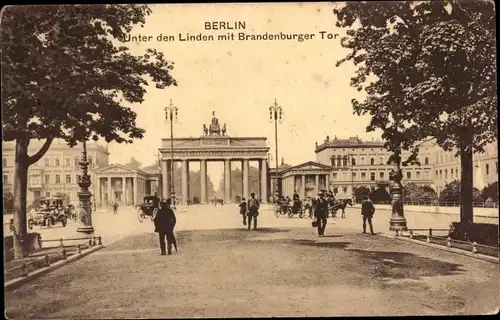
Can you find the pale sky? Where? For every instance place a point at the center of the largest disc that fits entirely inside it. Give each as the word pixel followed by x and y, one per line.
pixel 239 80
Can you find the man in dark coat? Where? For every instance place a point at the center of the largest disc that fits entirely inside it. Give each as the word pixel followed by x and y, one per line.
pixel 253 211
pixel 164 224
pixel 367 211
pixel 321 213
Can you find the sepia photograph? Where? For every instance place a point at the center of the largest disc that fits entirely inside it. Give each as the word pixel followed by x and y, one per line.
pixel 250 160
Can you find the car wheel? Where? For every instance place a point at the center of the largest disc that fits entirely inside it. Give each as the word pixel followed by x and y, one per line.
pixel 140 215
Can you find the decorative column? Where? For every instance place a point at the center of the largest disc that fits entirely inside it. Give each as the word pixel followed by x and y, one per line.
pixel 136 198
pixel 398 220
pixel 185 182
pixel 304 186
pixel 327 182
pixel 227 181
pixel 109 190
pixel 85 207
pixel 98 195
pixel 165 180
pixel 317 183
pixel 124 188
pixel 203 179
pixel 245 179
pixel 263 180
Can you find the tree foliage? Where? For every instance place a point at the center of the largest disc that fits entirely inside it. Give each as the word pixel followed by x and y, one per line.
pixel 237 182
pixel 490 191
pixel 8 202
pixel 451 193
pixel 380 195
pixel 415 193
pixel 194 184
pixel 429 71
pixel 360 192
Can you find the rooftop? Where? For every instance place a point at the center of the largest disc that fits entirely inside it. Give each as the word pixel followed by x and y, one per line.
pixel 351 142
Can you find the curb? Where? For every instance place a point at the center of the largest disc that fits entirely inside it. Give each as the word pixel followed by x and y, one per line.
pixel 434 212
pixel 443 248
pixel 16 283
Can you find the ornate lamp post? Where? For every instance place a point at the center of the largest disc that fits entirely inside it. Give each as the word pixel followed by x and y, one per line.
pixel 171 114
pixel 275 112
pixel 398 220
pixel 84 195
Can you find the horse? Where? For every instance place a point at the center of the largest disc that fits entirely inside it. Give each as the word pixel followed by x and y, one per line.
pixel 342 204
pixel 216 201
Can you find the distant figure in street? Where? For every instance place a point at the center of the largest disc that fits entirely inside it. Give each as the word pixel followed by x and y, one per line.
pixel 321 213
pixel 253 211
pixel 115 208
pixel 164 224
pixel 243 211
pixel 367 211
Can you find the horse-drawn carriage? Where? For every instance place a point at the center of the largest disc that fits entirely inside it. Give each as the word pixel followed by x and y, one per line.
pixel 149 208
pixel 282 207
pixel 51 211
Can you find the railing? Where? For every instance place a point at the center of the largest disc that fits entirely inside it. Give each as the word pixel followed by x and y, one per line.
pixel 442 204
pixel 473 247
pixel 63 254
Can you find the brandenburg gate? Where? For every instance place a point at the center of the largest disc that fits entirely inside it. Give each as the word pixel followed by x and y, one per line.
pixel 214 145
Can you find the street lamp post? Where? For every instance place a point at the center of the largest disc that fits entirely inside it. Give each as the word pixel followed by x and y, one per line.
pixel 398 220
pixel 84 195
pixel 275 113
pixel 171 114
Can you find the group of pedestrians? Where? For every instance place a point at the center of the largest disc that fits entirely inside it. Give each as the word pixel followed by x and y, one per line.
pixel 250 211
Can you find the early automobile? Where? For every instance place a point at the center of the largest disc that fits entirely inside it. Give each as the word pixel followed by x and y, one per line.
pixel 51 211
pixel 149 208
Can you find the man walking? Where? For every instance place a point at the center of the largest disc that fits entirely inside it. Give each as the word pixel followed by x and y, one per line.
pixel 115 208
pixel 367 211
pixel 243 211
pixel 164 224
pixel 253 211
pixel 321 212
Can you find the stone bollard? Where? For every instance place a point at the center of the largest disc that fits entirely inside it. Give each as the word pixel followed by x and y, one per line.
pixel 430 232
pixel 411 234
pixel 474 247
pixel 61 242
pixel 93 241
pixel 99 241
pixel 90 243
pixel 63 252
pixel 448 242
pixel 47 260
pixel 79 248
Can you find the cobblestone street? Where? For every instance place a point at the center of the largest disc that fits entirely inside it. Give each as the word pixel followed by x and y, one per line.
pixel 283 269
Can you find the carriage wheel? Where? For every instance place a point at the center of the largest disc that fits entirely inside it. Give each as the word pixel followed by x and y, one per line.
pixel 277 212
pixel 30 224
pixel 140 215
pixel 290 213
pixel 155 212
pixel 301 214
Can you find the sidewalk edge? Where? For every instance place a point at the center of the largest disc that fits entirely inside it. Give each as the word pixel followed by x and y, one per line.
pixel 17 282
pixel 443 248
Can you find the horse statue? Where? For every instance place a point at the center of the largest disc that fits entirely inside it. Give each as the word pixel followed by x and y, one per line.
pixel 205 130
pixel 224 129
pixel 342 204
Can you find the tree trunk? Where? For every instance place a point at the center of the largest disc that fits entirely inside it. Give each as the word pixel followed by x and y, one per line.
pixel 466 180
pixel 20 192
pixel 23 162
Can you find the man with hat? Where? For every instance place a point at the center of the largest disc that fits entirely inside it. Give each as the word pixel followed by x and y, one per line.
pixel 164 224
pixel 253 210
pixel 321 212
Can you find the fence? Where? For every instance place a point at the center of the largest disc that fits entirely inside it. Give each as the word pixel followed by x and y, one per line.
pixel 442 204
pixel 429 236
pixel 45 259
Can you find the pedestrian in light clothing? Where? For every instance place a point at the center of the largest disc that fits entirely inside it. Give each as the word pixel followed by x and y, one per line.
pixel 321 213
pixel 164 225
pixel 253 211
pixel 243 211
pixel 367 211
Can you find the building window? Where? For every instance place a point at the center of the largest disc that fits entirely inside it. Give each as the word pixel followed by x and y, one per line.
pixel 47 179
pixel 46 162
pixel 437 175
pixel 91 165
pixel 339 161
pixel 58 178
pixel 345 161
pixel 418 175
pixel 5 179
pixel 4 162
pixel 408 175
pixel 372 161
pixel 354 176
pixel 381 161
pixel 332 159
pixel 487 169
pixel 344 189
pixel 76 161
pixel 446 173
pixel 426 161
pixel 67 162
pixel 363 176
pixel 362 160
pixel 57 162
pixel 68 178
pixel 381 175
pixel 372 176
pixel 353 161
pixel 456 173
pixel 334 177
pixel 440 174
pixel 335 190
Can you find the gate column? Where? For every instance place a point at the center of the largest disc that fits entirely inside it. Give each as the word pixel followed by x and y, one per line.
pixel 227 181
pixel 203 179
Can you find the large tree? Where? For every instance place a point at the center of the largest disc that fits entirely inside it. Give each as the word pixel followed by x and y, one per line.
pixel 65 76
pixel 429 71
pixel 237 182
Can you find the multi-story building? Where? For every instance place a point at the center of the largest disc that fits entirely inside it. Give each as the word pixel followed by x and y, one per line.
pixel 358 163
pixel 57 171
